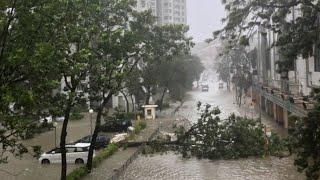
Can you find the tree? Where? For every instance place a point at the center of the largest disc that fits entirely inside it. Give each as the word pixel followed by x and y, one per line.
pixel 238 62
pixel 118 46
pixel 167 42
pixel 296 37
pixel 178 76
pixel 305 141
pixel 214 138
pixel 122 44
pixel 27 69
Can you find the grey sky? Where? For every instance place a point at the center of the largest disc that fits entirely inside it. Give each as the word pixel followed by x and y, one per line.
pixel 204 17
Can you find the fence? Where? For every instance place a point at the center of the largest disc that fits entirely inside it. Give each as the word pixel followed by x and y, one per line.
pixel 134 156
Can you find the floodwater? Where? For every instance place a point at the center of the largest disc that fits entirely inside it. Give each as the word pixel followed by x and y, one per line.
pixel 173 166
pixel 28 168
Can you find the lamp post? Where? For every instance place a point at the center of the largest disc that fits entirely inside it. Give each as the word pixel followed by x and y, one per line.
pixel 91 111
pixel 55 124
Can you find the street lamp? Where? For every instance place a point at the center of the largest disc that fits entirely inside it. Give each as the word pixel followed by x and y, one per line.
pixel 91 111
pixel 55 124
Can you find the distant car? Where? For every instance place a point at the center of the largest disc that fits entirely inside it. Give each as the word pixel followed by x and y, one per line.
pixel 76 153
pixel 47 119
pixel 220 85
pixel 60 118
pixel 116 125
pixel 205 88
pixel 101 142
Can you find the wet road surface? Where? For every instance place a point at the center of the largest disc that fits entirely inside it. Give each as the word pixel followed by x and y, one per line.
pixel 173 166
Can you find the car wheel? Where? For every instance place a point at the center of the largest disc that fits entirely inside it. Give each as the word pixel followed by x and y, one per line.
pixel 79 161
pixel 45 161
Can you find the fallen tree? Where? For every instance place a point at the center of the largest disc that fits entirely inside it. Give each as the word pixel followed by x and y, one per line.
pixel 215 138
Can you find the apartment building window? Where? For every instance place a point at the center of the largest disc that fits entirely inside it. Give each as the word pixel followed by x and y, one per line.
pixel 143 4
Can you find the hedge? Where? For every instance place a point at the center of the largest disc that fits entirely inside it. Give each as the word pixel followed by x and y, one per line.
pixel 81 172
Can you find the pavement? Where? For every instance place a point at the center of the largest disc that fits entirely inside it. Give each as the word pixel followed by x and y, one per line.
pixel 110 166
pixel 265 118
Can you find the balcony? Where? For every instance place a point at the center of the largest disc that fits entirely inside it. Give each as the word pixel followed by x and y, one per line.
pixel 292 102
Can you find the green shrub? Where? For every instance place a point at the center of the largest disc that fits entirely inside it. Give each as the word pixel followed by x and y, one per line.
pixel 137 128
pixel 143 124
pixel 105 153
pixel 76 116
pixel 77 173
pixel 82 171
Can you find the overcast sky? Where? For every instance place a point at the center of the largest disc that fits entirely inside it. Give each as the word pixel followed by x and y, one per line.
pixel 204 17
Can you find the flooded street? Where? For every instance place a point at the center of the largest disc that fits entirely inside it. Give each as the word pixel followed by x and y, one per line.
pixel 28 168
pixel 173 166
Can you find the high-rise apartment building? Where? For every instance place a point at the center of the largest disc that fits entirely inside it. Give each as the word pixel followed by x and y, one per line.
pixel 166 11
pixel 172 12
pixel 143 5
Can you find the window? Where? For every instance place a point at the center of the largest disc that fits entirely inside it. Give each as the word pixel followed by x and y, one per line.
pixel 149 112
pixel 143 4
pixel 71 150
pixel 55 151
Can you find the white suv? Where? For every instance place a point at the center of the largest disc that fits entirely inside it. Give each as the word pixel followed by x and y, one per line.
pixel 76 153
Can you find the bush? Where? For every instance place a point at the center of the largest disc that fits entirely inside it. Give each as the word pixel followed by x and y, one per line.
pixel 105 153
pixel 82 171
pixel 139 126
pixel 77 173
pixel 76 116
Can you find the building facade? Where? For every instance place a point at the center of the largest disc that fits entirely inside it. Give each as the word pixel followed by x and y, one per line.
pixel 281 94
pixel 166 11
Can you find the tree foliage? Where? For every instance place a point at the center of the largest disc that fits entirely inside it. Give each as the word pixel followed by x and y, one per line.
pixel 27 76
pixel 297 35
pixel 305 141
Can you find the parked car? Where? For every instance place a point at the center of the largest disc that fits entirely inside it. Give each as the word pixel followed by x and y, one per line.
pixel 116 125
pixel 101 142
pixel 220 85
pixel 60 118
pixel 47 119
pixel 76 153
pixel 205 88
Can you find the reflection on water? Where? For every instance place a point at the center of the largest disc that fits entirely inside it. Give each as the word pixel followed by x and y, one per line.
pixel 172 166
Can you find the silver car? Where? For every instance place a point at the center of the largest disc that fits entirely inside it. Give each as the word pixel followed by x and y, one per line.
pixel 76 153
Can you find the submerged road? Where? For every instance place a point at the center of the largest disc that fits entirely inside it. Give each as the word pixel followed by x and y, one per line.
pixel 173 166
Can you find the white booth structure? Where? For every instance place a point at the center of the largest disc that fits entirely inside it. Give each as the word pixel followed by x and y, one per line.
pixel 150 112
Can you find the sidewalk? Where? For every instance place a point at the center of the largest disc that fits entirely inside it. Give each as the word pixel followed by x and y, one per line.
pixel 110 166
pixel 265 118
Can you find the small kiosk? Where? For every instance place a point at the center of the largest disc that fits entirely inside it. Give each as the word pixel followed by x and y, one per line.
pixel 150 112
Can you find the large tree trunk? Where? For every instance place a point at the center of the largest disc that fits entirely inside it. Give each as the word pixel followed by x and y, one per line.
pixel 162 97
pixel 63 137
pixel 96 131
pixel 132 101
pixel 147 98
pixel 127 101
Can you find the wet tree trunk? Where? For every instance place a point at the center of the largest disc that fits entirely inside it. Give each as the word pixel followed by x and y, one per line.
pixel 63 137
pixel 96 131
pixel 148 95
pixel 127 101
pixel 132 101
pixel 162 97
